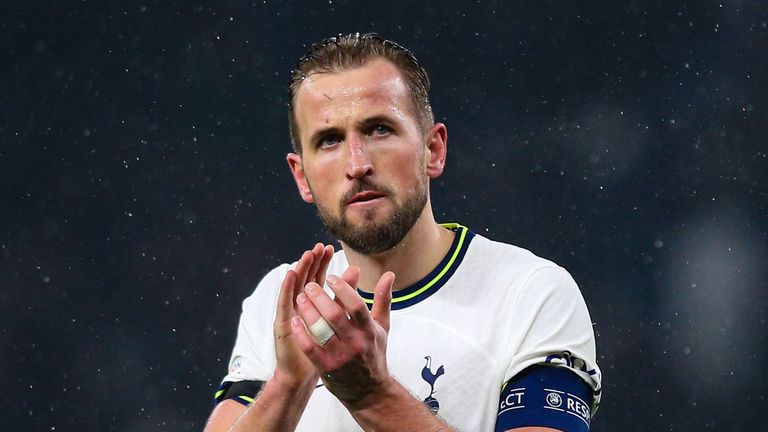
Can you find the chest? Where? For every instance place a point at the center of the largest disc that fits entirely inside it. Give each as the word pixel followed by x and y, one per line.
pixel 443 363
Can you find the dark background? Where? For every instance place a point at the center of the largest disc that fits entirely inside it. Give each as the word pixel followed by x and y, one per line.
pixel 144 193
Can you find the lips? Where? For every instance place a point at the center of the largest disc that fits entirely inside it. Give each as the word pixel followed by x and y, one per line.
pixel 364 196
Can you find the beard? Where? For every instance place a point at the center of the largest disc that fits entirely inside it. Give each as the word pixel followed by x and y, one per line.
pixel 371 237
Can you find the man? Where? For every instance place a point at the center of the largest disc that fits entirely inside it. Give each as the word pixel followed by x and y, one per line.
pixel 422 326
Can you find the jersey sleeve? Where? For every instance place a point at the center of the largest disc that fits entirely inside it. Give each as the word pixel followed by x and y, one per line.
pixel 253 356
pixel 556 328
pixel 545 396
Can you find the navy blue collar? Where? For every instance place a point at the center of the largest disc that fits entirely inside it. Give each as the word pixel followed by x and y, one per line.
pixel 432 282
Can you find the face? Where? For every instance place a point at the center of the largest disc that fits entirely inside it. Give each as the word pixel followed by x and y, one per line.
pixel 365 162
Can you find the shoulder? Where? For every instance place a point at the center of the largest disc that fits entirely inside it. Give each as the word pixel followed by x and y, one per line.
pixel 516 265
pixel 509 253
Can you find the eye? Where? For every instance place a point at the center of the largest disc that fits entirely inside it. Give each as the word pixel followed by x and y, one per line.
pixel 381 130
pixel 329 140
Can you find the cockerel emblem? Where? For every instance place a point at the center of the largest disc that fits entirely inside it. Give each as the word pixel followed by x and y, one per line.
pixel 430 377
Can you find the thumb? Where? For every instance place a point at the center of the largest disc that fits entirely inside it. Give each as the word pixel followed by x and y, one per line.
pixel 382 300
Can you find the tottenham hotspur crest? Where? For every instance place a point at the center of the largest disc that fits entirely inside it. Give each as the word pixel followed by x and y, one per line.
pixel 430 377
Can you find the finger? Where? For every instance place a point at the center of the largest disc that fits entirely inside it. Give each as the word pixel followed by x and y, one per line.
pixel 305 341
pixel 324 262
pixel 310 315
pixel 285 305
pixel 302 268
pixel 382 300
pixel 351 276
pixel 347 298
pixel 328 309
pixel 308 341
pixel 317 256
pixel 306 310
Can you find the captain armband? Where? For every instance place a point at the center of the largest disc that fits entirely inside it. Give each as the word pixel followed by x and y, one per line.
pixel 545 396
pixel 243 392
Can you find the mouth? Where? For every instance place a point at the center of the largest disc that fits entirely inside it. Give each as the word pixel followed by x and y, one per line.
pixel 364 197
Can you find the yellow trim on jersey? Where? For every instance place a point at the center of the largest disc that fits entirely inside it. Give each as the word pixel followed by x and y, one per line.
pixel 219 393
pixel 462 236
pixel 248 399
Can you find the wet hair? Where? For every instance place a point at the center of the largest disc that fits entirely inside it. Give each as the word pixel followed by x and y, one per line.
pixel 354 50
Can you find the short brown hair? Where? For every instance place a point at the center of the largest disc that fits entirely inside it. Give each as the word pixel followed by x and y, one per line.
pixel 354 50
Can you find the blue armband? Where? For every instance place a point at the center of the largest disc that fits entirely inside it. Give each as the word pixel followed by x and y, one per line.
pixel 545 396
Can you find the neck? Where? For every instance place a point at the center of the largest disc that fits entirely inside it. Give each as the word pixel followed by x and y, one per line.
pixel 420 251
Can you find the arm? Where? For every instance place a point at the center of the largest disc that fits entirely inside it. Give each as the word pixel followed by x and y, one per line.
pixel 279 406
pixel 411 413
pixel 224 415
pixel 352 363
pixel 557 390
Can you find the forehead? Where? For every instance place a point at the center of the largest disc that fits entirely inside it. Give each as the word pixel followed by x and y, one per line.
pixel 331 95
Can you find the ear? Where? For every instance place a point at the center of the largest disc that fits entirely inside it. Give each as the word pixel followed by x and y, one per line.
pixel 297 170
pixel 437 150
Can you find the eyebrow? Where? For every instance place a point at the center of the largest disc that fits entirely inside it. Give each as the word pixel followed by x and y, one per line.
pixel 377 119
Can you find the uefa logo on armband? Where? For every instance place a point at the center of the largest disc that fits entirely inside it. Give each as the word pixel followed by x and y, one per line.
pixel 554 400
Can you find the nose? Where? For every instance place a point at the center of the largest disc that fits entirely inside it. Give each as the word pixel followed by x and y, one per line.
pixel 359 163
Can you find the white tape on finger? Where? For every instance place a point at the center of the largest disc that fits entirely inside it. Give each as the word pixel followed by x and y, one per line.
pixel 321 332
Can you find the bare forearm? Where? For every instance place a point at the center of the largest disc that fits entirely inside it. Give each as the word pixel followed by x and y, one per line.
pixel 275 409
pixel 395 409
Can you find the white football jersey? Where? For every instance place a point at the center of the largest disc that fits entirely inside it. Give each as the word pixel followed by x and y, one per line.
pixel 485 313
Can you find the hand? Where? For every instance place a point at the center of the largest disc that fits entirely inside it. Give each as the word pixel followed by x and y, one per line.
pixel 353 362
pixel 293 368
